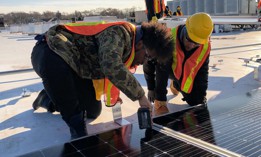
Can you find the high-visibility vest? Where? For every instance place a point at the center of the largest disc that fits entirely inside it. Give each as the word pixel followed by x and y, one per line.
pixel 163 7
pixel 157 6
pixel 259 5
pixel 104 86
pixel 179 13
pixel 191 65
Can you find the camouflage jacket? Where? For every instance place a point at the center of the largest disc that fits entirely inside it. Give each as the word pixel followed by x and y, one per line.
pixel 99 56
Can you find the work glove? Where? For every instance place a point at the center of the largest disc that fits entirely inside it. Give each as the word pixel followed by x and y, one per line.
pixel 160 107
pixel 151 95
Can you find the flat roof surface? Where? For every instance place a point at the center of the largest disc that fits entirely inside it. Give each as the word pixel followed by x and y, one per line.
pixel 23 130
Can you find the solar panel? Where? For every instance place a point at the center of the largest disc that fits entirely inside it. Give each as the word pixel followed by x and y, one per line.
pixel 126 141
pixel 232 123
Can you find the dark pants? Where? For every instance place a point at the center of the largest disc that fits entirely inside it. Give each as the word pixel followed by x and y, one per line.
pixel 70 93
pixel 193 98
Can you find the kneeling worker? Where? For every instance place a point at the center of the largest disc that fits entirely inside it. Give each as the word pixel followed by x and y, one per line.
pixel 187 69
pixel 75 60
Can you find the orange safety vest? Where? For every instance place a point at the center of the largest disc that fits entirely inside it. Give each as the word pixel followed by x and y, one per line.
pixel 163 8
pixel 157 6
pixel 259 5
pixel 111 93
pixel 191 65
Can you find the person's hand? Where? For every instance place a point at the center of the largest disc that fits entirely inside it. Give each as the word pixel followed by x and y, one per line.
pixel 144 102
pixel 151 95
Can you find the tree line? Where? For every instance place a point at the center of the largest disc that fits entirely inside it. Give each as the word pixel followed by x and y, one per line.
pixel 25 18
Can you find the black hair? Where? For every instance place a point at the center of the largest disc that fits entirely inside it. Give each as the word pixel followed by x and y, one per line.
pixel 156 36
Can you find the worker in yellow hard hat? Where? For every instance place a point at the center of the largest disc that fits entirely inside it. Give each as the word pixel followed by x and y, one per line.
pixel 178 12
pixel 187 69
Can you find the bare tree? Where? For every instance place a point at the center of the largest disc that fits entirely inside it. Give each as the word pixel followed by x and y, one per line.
pixel 112 12
pixel 35 16
pixel 47 15
pixel 23 18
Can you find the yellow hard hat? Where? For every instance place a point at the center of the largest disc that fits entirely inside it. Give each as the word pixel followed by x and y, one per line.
pixel 199 27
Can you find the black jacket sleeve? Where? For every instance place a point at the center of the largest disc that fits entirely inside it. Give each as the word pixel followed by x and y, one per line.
pixel 149 69
pixel 162 75
pixel 156 76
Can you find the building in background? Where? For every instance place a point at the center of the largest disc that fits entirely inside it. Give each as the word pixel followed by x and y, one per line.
pixel 215 7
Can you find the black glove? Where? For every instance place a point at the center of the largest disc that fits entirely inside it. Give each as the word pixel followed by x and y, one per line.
pixel 151 95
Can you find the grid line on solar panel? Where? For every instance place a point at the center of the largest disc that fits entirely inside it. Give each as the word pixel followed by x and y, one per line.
pixel 232 110
pixel 223 118
pixel 246 151
pixel 244 132
pixel 175 147
pixel 234 142
pixel 145 150
pixel 247 123
pixel 195 132
pixel 241 133
pixel 249 150
pixel 255 153
pixel 165 142
pixel 238 125
pixel 189 150
pixel 197 142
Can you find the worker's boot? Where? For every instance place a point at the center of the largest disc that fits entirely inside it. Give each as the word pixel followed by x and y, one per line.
pixel 94 110
pixel 160 107
pixel 77 125
pixel 173 89
pixel 43 101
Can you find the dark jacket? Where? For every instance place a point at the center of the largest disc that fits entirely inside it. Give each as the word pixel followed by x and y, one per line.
pixel 98 56
pixel 157 76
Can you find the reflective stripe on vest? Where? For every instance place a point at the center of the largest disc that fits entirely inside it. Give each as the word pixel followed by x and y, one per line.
pixel 157 6
pixel 191 65
pixel 111 93
pixel 163 6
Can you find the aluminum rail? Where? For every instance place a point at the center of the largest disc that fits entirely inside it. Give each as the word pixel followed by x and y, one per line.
pixel 196 142
pixel 16 71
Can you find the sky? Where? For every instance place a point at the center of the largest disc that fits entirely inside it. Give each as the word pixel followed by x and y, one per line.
pixel 69 6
